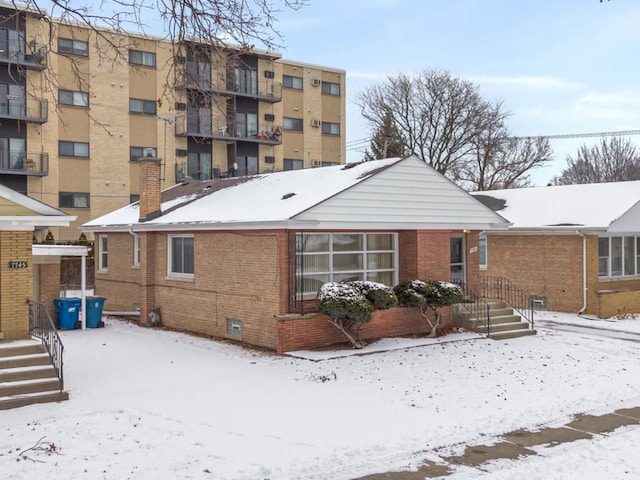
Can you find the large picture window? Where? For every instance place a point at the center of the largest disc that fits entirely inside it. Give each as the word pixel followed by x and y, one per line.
pixel 181 255
pixel 344 257
pixel 618 256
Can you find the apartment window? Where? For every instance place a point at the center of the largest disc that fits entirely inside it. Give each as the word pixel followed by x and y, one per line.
pixel 181 255
pixel 75 99
pixel 482 250
pixel 135 153
pixel 134 197
pixel 292 82
pixel 329 128
pixel 73 200
pixel 12 153
pixel 329 88
pixel 199 165
pixel 292 124
pixel 73 149
pixel 292 164
pixel 73 47
pixel 147 107
pixel 136 250
pixel 146 59
pixel 12 99
pixel 343 257
pixel 103 253
pixel 247 124
pixel 618 256
pixel 246 165
pixel 246 81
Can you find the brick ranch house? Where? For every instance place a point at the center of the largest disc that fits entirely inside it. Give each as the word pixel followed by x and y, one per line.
pixel 244 257
pixel 574 248
pixel 25 268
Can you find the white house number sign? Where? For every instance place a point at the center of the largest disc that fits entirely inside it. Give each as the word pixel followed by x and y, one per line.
pixel 16 264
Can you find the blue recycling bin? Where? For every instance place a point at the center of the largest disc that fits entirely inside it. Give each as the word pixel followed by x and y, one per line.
pixel 67 310
pixel 94 312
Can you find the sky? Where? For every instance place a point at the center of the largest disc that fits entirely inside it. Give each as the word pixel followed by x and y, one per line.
pixel 148 404
pixel 559 68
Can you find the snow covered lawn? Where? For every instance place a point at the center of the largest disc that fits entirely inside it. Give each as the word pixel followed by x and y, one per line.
pixel 150 404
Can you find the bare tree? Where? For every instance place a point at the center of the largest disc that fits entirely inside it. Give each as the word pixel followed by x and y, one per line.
pixel 446 122
pixel 613 160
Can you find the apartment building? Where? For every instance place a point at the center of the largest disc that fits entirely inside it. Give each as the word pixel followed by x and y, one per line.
pixel 78 109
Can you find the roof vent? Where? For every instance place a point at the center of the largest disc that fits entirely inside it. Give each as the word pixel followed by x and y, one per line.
pixel 287 195
pixel 348 166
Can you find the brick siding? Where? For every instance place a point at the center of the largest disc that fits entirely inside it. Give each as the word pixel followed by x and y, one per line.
pixel 16 284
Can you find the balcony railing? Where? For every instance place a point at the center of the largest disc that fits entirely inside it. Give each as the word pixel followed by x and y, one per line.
pixel 30 110
pixel 265 90
pixel 33 56
pixel 197 126
pixel 36 164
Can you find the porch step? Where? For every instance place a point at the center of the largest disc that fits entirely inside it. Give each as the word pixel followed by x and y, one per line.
pixel 504 327
pixel 511 334
pixel 27 375
pixel 24 400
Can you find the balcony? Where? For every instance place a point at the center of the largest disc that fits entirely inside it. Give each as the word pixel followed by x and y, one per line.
pixel 30 110
pixel 264 90
pixel 196 126
pixel 13 52
pixel 34 164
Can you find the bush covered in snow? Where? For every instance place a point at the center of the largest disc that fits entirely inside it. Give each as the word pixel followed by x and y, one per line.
pixel 342 300
pixel 380 296
pixel 429 295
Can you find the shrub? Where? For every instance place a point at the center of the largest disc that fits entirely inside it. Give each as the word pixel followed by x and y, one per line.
pixel 409 293
pixel 378 294
pixel 343 301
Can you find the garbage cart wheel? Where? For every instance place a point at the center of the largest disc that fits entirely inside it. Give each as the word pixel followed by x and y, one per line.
pixel 78 325
pixel 100 324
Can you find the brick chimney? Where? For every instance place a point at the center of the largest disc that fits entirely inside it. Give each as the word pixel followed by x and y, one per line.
pixel 150 180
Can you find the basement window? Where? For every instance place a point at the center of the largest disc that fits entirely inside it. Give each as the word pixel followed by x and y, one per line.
pixel 234 327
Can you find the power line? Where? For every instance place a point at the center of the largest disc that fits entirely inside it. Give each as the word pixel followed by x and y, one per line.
pixel 362 142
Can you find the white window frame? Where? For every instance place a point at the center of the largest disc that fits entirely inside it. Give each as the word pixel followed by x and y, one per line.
pixel 364 270
pixel 103 253
pixel 170 272
pixel 622 273
pixel 483 251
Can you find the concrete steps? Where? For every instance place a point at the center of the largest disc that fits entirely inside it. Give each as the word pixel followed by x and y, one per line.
pixel 504 323
pixel 27 375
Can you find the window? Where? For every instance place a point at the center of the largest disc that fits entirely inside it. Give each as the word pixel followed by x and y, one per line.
pixel 73 149
pixel 291 164
pixel 199 165
pixel 292 82
pixel 73 47
pixel 457 260
pixel 75 99
pixel 618 256
pixel 482 250
pixel 136 250
pixel 12 100
pixel 134 197
pixel 246 166
pixel 329 128
pixel 146 59
pixel 147 107
pixel 103 253
pixel 246 81
pixel 135 153
pixel 329 88
pixel 247 124
pixel 234 327
pixel 73 200
pixel 181 255
pixel 342 257
pixel 13 153
pixel 292 124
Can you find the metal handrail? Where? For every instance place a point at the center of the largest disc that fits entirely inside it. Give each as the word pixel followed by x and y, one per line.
pixel 501 288
pixel 41 326
pixel 476 306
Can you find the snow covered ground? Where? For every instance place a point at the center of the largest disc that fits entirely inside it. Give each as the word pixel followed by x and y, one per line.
pixel 151 404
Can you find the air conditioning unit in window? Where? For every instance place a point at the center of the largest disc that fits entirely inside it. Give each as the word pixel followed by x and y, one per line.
pixel 180 152
pixel 269 159
pixel 317 163
pixel 269 74
pixel 316 82
pixel 269 117
pixel 181 106
pixel 315 123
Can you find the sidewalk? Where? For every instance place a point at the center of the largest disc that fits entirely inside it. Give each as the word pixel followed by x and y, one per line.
pixel 518 443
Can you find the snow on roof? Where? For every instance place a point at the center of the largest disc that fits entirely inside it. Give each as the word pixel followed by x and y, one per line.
pixel 589 206
pixel 35 206
pixel 273 197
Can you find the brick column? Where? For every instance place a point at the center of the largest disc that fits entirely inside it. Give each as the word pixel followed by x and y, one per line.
pixel 147 276
pixel 16 284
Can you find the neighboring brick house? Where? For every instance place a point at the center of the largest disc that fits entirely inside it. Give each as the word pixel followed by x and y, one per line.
pixel 573 248
pixel 244 257
pixel 21 278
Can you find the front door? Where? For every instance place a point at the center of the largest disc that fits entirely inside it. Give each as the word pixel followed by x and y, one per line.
pixel 457 260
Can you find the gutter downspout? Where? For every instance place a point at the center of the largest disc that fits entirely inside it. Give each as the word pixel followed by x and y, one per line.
pixel 584 272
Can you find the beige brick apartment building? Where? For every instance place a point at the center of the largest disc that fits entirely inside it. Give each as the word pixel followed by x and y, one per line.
pixel 77 114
